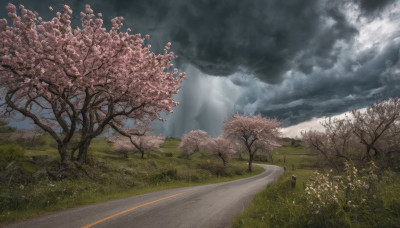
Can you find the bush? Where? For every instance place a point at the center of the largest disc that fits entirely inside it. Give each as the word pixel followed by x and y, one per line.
pixel 15 169
pixel 352 199
pixel 169 155
pixel 164 176
pixel 11 152
pixel 220 170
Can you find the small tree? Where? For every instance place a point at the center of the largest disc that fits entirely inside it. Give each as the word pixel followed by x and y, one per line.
pixel 25 135
pixel 253 133
pixel 122 145
pixel 220 147
pixel 192 142
pixel 136 143
pixel 84 78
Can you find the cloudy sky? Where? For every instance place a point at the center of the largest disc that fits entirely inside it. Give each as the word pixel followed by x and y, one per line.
pixel 298 61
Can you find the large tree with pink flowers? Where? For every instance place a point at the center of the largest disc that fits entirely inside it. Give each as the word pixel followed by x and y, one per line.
pixel 253 133
pixel 68 79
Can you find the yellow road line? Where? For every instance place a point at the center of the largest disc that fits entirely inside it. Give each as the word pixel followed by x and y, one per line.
pixel 128 210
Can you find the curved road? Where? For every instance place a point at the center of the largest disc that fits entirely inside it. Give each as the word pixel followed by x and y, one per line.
pixel 212 205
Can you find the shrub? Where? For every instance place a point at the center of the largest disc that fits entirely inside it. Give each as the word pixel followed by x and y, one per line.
pixel 342 199
pixel 165 175
pixel 15 169
pixel 168 155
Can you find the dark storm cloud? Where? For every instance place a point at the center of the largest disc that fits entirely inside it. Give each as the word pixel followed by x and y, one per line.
pixel 349 85
pixel 371 6
pixel 322 51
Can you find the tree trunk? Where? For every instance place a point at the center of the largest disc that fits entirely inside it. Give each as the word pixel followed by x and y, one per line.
pixel 142 152
pixel 62 150
pixel 83 149
pixel 251 157
pixel 224 161
pixel 222 158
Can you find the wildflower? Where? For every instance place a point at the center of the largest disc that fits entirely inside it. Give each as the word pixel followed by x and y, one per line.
pixel 50 8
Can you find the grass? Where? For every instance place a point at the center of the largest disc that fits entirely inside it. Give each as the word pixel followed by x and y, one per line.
pixel 28 192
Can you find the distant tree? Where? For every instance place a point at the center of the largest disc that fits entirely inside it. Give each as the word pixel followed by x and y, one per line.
pixel 122 145
pixel 25 135
pixel 253 133
pixel 135 143
pixel 220 147
pixel 192 142
pixel 84 78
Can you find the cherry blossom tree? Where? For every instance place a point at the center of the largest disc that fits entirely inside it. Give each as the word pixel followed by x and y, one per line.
pixel 68 79
pixel 25 135
pixel 363 136
pixel 220 147
pixel 253 133
pixel 192 142
pixel 137 143
pixel 378 130
pixel 335 146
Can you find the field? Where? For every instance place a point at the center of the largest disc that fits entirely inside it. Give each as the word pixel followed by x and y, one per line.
pixel 27 190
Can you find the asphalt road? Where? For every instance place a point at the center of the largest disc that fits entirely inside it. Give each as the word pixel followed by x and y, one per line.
pixel 212 205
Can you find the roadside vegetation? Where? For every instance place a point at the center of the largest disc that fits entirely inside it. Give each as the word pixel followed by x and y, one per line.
pixel 30 185
pixel 347 176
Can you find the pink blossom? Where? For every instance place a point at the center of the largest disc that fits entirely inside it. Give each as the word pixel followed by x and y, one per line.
pixel 193 141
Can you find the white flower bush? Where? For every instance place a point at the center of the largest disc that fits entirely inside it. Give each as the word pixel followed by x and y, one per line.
pixel 347 192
